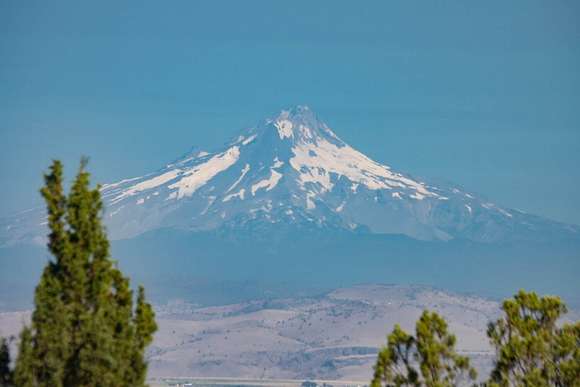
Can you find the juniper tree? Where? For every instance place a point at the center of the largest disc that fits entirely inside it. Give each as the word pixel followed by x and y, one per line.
pixel 426 359
pixel 531 348
pixel 85 330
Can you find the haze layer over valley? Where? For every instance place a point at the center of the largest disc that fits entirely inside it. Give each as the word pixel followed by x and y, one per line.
pixel 287 207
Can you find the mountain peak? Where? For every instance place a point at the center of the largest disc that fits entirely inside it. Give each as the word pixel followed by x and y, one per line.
pixel 301 125
pixel 299 110
pixel 292 169
pixel 297 113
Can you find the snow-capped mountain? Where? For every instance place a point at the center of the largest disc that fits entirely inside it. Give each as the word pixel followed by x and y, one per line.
pixel 294 170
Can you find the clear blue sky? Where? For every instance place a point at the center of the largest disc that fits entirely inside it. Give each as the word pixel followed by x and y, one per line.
pixel 482 93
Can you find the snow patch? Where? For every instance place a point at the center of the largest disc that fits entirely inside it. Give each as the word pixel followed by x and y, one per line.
pixel 305 132
pixel 505 213
pixel 148 184
pixel 210 201
pixel 249 140
pixel 417 196
pixel 316 176
pixel 316 161
pixel 269 183
pixel 284 127
pixel 113 185
pixel 172 195
pixel 309 202
pixel 244 171
pixel 116 211
pixel 240 194
pixel 199 175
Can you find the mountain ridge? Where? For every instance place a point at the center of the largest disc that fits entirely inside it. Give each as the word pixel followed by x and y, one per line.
pixel 293 169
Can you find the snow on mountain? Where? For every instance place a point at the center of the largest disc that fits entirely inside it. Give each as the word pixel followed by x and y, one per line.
pixel 293 169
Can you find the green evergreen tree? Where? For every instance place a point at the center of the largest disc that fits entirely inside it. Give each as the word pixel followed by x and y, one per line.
pixel 145 327
pixel 432 349
pixel 531 348
pixel 5 372
pixel 85 330
pixel 24 369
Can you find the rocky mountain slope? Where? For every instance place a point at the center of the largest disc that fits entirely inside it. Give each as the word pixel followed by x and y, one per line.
pixel 293 170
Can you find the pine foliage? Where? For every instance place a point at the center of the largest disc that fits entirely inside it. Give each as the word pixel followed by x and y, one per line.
pixel 426 359
pixel 85 330
pixel 532 349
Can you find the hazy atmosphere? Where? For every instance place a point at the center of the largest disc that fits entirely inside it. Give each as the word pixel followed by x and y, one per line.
pixel 485 95
pixel 289 194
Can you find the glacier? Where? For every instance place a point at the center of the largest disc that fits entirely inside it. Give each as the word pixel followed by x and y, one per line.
pixel 293 168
